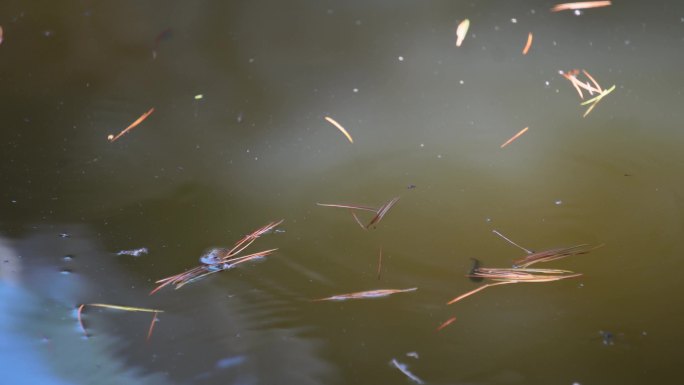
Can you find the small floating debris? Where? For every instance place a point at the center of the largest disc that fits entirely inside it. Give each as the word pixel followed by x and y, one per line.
pixel 461 31
pixel 133 125
pixel 528 44
pixel 339 127
pixel 516 136
pixel 199 97
pixel 404 369
pixel 134 252
pixel 1 34
pixel 580 5
pixel 64 235
pixel 366 294
pixel 217 260
pixel 413 355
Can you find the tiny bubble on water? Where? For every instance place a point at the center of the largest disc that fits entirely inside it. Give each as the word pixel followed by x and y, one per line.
pixel 558 202
pixel 401 58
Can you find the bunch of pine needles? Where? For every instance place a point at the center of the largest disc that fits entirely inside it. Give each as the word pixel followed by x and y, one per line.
pixel 224 259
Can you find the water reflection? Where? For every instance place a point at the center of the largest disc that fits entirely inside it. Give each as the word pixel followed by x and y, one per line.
pixel 192 341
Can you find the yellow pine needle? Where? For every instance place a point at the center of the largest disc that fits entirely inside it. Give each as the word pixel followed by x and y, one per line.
pixel 125 308
pixel 339 127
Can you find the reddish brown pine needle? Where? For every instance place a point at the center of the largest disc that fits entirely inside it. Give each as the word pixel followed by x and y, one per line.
pixel 133 125
pixel 528 44
pixel 445 323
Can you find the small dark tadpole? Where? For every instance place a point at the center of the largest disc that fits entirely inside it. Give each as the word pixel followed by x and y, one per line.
pixel 411 186
pixel 473 267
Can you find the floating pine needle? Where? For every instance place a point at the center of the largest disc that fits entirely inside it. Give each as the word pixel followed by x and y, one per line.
pixel 528 44
pixel 379 212
pixel 552 255
pixel 511 242
pixel 579 85
pixel 352 207
pixel 356 218
pixel 125 308
pixel 1 34
pixel 154 321
pixel 445 323
pixel 516 136
pixel 80 320
pixel 523 275
pixel 595 100
pixel 366 294
pixel 468 294
pixel 382 211
pixel 461 31
pixel 580 5
pixel 380 263
pixel 219 260
pixel 339 127
pixel 142 117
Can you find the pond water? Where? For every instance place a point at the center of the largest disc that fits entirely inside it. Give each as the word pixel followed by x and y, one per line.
pixel 238 139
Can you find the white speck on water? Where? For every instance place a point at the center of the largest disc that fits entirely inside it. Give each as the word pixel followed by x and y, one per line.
pixel 496 27
pixel 627 42
pixel 439 156
pixel 547 83
pixel 558 202
pixel 401 58
pixel 488 220
pixel 461 82
pixel 578 12
pixel 251 60
pixel 554 43
pixel 422 145
pixel 532 11
pixel 514 20
pixel 248 150
pixel 355 90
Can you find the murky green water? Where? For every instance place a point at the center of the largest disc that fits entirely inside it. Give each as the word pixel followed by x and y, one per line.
pixel 427 120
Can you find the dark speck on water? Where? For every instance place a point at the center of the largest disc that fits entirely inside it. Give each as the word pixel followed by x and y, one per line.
pixel 607 337
pixel 473 267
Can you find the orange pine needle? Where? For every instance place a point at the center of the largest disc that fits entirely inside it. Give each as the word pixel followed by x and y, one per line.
pixel 580 5
pixel 468 294
pixel 154 321
pixel 445 323
pixel 142 117
pixel 80 320
pixel 339 127
pixel 516 136
pixel 528 44
pixel 1 34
